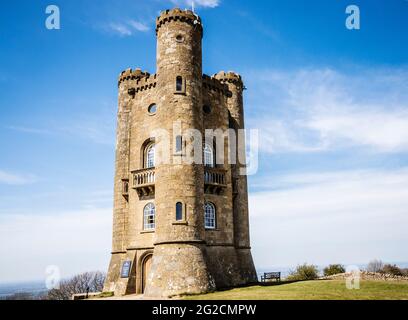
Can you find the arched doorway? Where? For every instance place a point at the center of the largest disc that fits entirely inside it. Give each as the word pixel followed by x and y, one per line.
pixel 146 265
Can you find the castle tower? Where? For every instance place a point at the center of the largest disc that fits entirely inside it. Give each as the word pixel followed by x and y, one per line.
pixel 180 226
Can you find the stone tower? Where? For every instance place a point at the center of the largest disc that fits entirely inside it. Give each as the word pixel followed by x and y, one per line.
pixel 179 226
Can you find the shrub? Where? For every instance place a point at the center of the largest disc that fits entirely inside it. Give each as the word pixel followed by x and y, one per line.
pixel 375 266
pixel 304 272
pixel 334 269
pixel 392 269
pixel 89 281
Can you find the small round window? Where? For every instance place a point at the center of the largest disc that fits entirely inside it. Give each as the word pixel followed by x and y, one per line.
pixel 207 109
pixel 179 38
pixel 152 109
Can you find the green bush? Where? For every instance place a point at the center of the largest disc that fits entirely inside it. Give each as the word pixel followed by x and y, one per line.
pixel 392 269
pixel 334 269
pixel 304 272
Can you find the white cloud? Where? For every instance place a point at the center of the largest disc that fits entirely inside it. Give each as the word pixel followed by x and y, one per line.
pixel 75 241
pixel 197 3
pixel 139 26
pixel 329 217
pixel 127 28
pixel 120 29
pixel 16 179
pixel 318 110
pixel 98 128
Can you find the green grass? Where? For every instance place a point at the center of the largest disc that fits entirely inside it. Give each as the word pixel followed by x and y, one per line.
pixel 314 290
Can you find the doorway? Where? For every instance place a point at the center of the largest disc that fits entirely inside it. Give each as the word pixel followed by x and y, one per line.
pixel 146 265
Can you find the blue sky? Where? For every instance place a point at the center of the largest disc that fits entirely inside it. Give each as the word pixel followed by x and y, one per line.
pixel 331 105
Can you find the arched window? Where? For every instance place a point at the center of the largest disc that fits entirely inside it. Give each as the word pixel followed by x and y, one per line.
pixel 208 156
pixel 179 84
pixel 179 211
pixel 209 216
pixel 150 156
pixel 149 219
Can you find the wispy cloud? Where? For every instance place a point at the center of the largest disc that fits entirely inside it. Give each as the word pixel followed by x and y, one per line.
pixel 324 109
pixel 26 129
pixel 326 217
pixel 98 129
pixel 127 28
pixel 139 26
pixel 197 3
pixel 16 179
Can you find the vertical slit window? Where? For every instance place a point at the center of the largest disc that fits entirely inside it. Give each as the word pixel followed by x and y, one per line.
pixel 179 211
pixel 179 143
pixel 179 84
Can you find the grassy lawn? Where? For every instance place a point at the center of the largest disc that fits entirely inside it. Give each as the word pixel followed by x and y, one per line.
pixel 314 290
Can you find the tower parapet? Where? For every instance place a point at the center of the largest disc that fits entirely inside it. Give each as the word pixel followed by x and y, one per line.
pixel 212 83
pixel 177 14
pixel 230 77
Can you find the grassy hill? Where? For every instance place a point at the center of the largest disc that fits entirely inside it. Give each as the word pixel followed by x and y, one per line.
pixel 314 290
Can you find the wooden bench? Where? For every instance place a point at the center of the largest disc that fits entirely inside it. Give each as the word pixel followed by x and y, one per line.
pixel 271 276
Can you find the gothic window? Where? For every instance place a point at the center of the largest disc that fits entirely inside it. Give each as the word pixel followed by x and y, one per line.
pixel 149 217
pixel 209 216
pixel 179 84
pixel 150 156
pixel 179 211
pixel 208 156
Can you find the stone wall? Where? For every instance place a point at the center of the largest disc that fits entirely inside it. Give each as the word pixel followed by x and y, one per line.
pixel 365 275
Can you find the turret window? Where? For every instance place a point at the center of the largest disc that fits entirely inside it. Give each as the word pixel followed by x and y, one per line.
pixel 179 211
pixel 179 84
pixel 152 109
pixel 149 217
pixel 208 156
pixel 150 156
pixel 209 216
pixel 179 144
pixel 207 109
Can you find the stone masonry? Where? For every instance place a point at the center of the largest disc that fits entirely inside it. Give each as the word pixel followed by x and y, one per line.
pixel 177 256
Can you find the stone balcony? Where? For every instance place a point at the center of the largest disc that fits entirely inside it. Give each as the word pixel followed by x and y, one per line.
pixel 214 180
pixel 144 182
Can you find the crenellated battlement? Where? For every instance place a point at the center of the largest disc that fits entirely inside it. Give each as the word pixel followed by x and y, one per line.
pixel 130 74
pixel 229 77
pixel 142 84
pixel 177 14
pixel 212 83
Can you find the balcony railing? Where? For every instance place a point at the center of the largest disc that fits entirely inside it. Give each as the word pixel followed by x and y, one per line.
pixel 144 182
pixel 214 180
